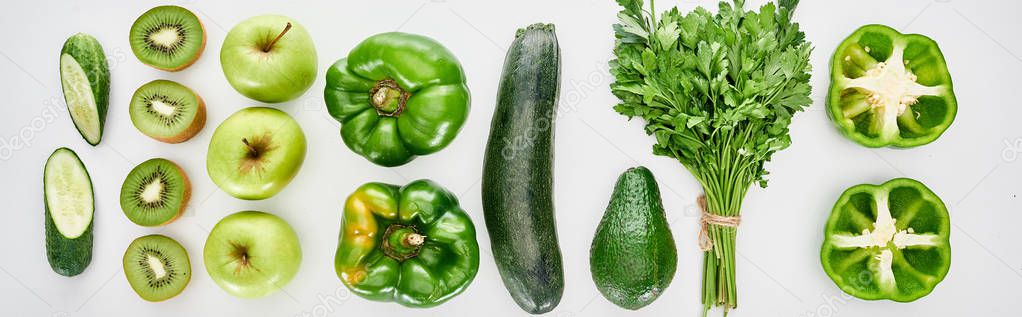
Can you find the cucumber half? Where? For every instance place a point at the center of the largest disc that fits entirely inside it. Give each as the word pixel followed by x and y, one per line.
pixel 85 79
pixel 70 205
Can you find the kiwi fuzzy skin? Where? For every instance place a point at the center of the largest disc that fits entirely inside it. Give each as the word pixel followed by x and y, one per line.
pixel 186 195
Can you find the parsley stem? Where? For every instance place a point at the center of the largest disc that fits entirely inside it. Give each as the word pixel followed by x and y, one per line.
pixel 718 96
pixel 652 15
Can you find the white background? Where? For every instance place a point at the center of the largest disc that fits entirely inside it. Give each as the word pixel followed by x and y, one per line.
pixel 975 167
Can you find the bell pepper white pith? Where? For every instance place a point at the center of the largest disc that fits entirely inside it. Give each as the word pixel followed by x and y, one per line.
pixel 885 235
pixel 890 88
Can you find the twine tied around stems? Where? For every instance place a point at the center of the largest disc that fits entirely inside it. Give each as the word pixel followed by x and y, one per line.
pixel 707 219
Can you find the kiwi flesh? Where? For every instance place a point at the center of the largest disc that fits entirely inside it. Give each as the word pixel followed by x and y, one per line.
pixel 167 111
pixel 157 267
pixel 169 38
pixel 155 193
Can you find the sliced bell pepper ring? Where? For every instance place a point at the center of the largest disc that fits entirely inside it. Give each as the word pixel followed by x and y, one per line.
pixel 888 241
pixel 397 96
pixel 412 245
pixel 890 89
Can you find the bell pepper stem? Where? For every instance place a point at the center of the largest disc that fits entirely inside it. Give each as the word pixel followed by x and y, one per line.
pixel 414 239
pixel 388 98
pixel 401 242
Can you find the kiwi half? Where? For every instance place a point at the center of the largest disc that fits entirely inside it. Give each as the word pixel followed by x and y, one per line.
pixel 169 38
pixel 167 111
pixel 155 193
pixel 157 267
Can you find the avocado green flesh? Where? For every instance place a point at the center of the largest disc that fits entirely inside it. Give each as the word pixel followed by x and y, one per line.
pixel 633 256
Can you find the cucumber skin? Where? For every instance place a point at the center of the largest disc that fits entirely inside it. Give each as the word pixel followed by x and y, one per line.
pixel 517 185
pixel 68 257
pixel 87 51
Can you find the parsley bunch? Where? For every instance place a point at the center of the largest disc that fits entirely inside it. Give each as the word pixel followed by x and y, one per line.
pixel 717 91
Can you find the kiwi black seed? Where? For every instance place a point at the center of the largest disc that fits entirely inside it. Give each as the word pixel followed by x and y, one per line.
pixel 169 38
pixel 167 111
pixel 157 267
pixel 155 193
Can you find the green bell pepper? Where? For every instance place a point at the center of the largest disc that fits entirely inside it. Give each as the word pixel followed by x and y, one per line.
pixel 412 245
pixel 890 89
pixel 397 96
pixel 888 241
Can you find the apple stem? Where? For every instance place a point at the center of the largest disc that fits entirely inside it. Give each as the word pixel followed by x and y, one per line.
pixel 270 45
pixel 241 252
pixel 252 151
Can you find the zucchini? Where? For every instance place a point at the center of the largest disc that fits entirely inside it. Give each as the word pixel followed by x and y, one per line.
pixel 518 172
pixel 69 204
pixel 85 80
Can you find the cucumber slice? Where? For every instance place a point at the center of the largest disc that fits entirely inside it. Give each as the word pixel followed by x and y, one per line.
pixel 68 193
pixel 85 79
pixel 70 205
pixel 79 99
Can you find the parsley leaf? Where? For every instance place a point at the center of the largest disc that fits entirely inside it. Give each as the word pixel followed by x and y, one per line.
pixel 718 92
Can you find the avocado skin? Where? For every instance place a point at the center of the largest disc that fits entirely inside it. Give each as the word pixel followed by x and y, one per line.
pixel 633 256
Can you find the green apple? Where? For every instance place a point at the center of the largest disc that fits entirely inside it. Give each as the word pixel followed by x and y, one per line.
pixel 255 153
pixel 269 58
pixel 252 254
